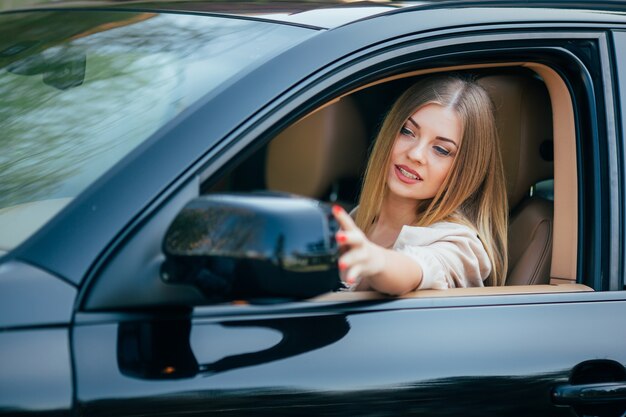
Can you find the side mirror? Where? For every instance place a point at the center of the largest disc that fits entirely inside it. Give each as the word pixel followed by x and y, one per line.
pixel 253 246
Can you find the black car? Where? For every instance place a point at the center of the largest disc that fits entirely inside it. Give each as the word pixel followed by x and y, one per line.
pixel 166 244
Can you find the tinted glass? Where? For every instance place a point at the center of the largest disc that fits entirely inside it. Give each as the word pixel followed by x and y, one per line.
pixel 80 90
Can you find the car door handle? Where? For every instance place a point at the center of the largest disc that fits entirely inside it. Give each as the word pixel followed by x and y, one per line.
pixel 599 393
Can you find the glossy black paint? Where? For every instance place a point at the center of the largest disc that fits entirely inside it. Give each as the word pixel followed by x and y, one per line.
pixel 596 387
pixel 619 39
pixel 36 309
pixel 246 246
pixel 32 297
pixel 36 377
pixel 162 349
pixel 325 363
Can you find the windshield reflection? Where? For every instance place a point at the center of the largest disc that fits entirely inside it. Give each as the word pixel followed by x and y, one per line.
pixel 80 90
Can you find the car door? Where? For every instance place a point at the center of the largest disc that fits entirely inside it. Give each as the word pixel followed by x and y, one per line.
pixel 487 355
pixel 514 354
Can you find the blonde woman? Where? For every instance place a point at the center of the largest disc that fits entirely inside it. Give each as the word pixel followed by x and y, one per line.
pixel 433 209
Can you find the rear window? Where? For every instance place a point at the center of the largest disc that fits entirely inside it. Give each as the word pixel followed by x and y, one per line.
pixel 80 90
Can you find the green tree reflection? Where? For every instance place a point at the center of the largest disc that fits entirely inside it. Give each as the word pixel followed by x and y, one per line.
pixel 60 132
pixel 216 231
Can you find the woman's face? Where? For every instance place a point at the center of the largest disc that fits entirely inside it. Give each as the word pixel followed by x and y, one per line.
pixel 423 152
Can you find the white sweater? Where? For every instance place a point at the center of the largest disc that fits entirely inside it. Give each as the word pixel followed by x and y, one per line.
pixel 450 254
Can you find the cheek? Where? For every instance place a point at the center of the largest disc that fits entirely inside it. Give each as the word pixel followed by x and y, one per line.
pixel 398 147
pixel 443 167
pixel 401 150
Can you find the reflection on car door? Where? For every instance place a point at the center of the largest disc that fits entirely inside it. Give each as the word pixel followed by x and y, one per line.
pixel 496 355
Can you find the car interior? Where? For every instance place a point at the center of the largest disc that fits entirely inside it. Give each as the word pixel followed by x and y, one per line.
pixel 323 156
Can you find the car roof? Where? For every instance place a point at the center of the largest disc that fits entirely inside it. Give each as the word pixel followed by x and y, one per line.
pixel 319 13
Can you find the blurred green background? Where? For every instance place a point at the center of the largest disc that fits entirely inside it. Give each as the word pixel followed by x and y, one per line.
pixel 20 4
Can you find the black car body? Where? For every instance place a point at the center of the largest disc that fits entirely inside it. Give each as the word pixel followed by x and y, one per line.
pixel 89 326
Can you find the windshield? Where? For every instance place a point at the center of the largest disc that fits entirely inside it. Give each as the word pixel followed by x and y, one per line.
pixel 80 90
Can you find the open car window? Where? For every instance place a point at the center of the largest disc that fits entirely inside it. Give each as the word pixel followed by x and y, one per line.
pixel 318 150
pixel 323 156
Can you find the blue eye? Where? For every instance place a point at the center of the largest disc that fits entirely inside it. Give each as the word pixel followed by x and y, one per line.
pixel 441 151
pixel 406 131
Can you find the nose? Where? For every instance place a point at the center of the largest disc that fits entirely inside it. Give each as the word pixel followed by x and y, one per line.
pixel 417 152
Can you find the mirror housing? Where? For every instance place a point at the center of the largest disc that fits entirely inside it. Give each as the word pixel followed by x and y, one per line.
pixel 253 246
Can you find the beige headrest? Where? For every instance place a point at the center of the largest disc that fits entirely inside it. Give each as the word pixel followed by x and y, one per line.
pixel 524 122
pixel 325 146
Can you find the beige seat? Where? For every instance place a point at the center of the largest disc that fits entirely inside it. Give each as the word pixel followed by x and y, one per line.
pixel 524 121
pixel 317 155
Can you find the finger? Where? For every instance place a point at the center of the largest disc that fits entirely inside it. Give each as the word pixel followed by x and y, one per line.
pixel 351 258
pixel 343 218
pixel 347 272
pixel 351 238
pixel 353 275
pixel 343 275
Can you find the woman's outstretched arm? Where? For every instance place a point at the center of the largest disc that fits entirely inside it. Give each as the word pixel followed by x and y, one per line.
pixel 370 266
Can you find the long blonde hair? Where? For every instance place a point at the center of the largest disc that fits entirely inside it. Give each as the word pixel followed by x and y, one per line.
pixel 474 191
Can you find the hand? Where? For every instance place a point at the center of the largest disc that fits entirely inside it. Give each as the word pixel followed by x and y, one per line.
pixel 361 258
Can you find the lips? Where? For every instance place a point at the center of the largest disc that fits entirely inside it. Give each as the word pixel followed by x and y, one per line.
pixel 406 174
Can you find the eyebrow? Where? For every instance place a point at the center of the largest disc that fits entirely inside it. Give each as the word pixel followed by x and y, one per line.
pixel 437 137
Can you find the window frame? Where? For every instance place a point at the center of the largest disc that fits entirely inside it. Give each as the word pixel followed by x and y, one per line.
pixel 618 87
pixel 385 60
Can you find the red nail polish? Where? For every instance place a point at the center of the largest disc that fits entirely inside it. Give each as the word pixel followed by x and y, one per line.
pixel 342 265
pixel 341 238
pixel 337 209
